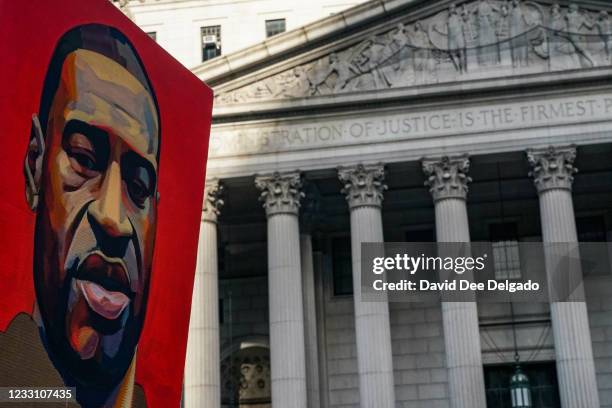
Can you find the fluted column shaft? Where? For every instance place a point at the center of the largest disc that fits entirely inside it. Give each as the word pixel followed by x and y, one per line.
pixel 310 322
pixel 202 366
pixel 447 179
pixel 281 196
pixel 363 186
pixel 552 170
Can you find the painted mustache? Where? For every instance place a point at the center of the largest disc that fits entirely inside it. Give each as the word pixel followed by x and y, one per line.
pixel 106 261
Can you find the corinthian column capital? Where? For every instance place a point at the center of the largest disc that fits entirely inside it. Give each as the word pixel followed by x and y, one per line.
pixel 280 192
pixel 363 184
pixel 447 176
pixel 552 167
pixel 212 200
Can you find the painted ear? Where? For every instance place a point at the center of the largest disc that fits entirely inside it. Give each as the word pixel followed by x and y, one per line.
pixel 32 168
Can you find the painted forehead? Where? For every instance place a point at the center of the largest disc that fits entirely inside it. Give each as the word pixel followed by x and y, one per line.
pixel 103 88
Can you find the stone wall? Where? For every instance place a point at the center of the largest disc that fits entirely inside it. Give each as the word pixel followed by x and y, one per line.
pixel 417 340
pixel 418 355
pixel 178 23
pixel 343 381
pixel 419 360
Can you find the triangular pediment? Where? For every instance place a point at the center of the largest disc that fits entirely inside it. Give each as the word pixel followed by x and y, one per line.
pixel 420 44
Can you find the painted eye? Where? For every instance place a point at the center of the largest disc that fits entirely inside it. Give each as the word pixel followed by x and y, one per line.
pixel 139 186
pixel 82 154
pixel 85 159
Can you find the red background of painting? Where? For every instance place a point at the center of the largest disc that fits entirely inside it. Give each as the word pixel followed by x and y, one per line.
pixel 29 31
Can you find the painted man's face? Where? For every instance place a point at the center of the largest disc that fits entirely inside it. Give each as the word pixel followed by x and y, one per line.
pixel 96 218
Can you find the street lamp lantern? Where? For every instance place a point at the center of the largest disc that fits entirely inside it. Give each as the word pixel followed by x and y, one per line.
pixel 520 391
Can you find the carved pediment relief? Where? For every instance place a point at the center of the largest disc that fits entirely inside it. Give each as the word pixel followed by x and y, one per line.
pixel 472 40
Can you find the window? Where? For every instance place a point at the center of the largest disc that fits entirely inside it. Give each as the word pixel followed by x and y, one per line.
pixel 421 235
pixel 592 235
pixel 506 256
pixel 542 380
pixel 591 229
pixel 274 27
pixel 211 42
pixel 153 35
pixel 422 241
pixel 342 266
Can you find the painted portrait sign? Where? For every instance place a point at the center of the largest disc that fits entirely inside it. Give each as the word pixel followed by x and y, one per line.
pixel 103 160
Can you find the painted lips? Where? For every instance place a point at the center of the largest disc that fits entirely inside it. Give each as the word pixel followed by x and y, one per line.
pixel 106 303
pixel 105 285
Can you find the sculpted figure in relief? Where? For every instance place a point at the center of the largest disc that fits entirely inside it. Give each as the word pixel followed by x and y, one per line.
pixel 468 27
pixel 423 63
pixel 375 58
pixel 558 46
pixel 517 32
pixel 502 30
pixel 294 83
pixel 455 30
pixel 345 71
pixel 300 83
pixel 398 44
pixel 487 36
pixel 518 38
pixel 503 24
pixel 575 22
pixel 604 29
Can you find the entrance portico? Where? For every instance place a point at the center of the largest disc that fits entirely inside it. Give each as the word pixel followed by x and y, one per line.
pixel 344 140
pixel 501 193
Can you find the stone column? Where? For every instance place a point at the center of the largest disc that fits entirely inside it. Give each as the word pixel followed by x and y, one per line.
pixel 552 171
pixel 281 196
pixel 310 321
pixel 309 218
pixel 202 371
pixel 363 186
pixel 448 180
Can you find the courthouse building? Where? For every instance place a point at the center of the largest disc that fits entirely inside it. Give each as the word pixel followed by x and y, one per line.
pixel 403 120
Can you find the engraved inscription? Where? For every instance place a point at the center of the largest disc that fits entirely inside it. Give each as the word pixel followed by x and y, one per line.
pixel 278 137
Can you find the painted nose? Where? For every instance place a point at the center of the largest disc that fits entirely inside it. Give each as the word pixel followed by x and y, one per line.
pixel 108 210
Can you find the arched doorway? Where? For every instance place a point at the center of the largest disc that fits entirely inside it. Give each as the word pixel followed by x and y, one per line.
pixel 245 374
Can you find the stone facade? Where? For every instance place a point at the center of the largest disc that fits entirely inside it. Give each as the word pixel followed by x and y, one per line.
pixel 480 39
pixel 177 23
pixel 411 120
